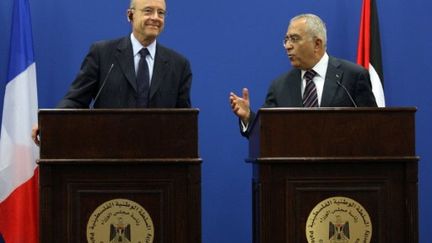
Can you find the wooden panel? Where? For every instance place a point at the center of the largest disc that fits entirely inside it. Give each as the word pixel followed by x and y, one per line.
pixel 286 193
pixel 124 133
pixel 285 132
pixel 167 193
pixel 90 157
pixel 301 157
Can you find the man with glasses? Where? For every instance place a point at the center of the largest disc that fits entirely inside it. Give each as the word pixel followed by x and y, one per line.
pixel 316 80
pixel 115 65
pixel 133 71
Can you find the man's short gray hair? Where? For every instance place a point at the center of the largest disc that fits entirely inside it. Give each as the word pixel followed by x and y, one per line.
pixel 315 26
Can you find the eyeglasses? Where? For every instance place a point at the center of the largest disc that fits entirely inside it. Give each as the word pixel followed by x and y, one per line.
pixel 291 39
pixel 151 11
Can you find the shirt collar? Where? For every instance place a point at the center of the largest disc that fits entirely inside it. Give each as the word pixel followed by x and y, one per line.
pixel 137 46
pixel 321 67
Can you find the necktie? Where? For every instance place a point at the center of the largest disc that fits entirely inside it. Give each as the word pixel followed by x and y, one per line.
pixel 310 97
pixel 143 79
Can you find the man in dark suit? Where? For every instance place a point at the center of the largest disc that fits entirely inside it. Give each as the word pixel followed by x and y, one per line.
pixel 133 71
pixel 109 72
pixel 333 83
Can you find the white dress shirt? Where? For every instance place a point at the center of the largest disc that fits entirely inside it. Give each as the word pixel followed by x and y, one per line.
pixel 321 69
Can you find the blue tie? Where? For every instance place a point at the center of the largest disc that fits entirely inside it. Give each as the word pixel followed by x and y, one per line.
pixel 310 97
pixel 143 80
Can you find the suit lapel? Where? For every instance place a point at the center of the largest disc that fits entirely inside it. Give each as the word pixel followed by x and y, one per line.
pixel 159 71
pixel 333 75
pixel 125 60
pixel 294 89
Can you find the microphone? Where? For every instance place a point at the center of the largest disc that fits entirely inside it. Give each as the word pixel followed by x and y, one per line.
pixel 346 91
pixel 102 86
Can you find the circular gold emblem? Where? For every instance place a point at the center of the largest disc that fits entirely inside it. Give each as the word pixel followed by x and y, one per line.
pixel 120 220
pixel 338 220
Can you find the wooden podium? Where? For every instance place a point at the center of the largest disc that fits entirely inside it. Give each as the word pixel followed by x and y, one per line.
pixel 91 157
pixel 301 157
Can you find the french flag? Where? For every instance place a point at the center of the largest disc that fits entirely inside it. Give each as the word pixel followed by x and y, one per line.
pixel 18 154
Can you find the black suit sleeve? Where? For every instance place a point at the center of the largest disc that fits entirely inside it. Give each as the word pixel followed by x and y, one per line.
pixel 363 95
pixel 85 85
pixel 249 126
pixel 183 100
pixel 269 102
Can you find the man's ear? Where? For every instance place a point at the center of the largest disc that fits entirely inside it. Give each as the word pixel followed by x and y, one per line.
pixel 318 43
pixel 130 15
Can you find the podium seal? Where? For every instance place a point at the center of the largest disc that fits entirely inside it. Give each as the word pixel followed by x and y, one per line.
pixel 338 220
pixel 120 220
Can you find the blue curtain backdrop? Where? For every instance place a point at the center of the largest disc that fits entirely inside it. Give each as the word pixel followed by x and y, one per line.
pixel 231 45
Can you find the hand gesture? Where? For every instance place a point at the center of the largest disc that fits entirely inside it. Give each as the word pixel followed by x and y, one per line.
pixel 240 105
pixel 35 134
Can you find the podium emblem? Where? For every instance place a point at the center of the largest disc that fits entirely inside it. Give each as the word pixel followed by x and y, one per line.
pixel 338 220
pixel 120 221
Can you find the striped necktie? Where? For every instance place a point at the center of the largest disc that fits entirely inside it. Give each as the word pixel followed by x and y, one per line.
pixel 310 97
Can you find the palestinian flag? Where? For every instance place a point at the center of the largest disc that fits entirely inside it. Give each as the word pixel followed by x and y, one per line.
pixel 369 49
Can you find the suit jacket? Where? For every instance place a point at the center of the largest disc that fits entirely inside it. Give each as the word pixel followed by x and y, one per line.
pixel 111 62
pixel 285 91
